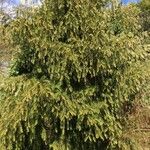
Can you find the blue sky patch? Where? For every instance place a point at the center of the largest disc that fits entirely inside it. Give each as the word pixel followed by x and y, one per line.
pixel 123 1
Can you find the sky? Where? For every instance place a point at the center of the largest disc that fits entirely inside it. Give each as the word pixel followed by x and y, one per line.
pixel 129 1
pixel 124 1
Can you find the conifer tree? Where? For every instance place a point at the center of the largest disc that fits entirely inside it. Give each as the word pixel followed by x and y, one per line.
pixel 78 63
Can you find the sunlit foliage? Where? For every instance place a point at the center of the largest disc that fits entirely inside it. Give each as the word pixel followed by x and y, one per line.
pixel 78 64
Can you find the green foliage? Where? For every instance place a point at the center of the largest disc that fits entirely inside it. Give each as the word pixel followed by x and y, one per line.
pixel 5 36
pixel 144 5
pixel 77 64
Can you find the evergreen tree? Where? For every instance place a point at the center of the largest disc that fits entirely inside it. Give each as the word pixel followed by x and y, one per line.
pixel 78 63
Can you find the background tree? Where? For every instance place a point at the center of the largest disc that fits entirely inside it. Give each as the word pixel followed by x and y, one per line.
pixel 78 64
pixel 4 4
pixel 6 15
pixel 144 5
